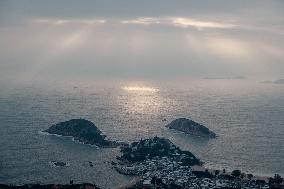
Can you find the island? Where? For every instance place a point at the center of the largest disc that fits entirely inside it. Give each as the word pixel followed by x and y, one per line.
pixel 59 163
pixel 151 155
pixel 191 127
pixel 155 148
pixel 227 78
pixel 158 163
pixel 83 131
pixel 279 81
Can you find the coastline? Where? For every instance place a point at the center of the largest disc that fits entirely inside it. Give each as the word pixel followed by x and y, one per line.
pixel 69 137
pixel 228 172
pixel 51 186
pixel 138 182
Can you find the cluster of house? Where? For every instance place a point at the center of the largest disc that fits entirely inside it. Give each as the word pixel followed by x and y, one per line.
pixel 164 171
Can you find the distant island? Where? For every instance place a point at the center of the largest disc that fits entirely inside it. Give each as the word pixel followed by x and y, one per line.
pixel 279 81
pixel 83 131
pixel 191 127
pixel 227 78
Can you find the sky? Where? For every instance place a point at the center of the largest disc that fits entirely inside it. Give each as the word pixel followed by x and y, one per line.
pixel 141 39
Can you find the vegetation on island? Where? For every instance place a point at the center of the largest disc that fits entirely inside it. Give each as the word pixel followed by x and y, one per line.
pixel 191 127
pixel 83 131
pixel 156 147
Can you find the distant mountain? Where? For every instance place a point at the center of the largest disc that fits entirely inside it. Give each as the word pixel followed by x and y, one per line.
pixel 227 78
pixel 267 81
pixel 191 127
pixel 83 131
pixel 279 81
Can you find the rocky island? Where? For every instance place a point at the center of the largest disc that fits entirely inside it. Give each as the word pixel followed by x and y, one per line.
pixel 59 163
pixel 83 131
pixel 154 148
pixel 191 127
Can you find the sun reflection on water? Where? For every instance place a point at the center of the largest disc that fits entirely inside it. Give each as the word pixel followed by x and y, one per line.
pixel 141 99
pixel 140 88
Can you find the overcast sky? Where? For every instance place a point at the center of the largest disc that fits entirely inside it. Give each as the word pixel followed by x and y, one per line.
pixel 149 38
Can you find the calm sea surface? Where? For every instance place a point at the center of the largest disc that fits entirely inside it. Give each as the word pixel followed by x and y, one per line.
pixel 247 116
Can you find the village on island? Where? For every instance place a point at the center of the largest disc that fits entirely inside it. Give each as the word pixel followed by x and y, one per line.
pixel 166 166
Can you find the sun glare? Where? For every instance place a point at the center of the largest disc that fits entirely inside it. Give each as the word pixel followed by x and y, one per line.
pixel 140 88
pixel 142 99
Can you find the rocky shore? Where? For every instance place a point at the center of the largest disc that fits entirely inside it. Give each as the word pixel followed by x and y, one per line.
pixel 51 186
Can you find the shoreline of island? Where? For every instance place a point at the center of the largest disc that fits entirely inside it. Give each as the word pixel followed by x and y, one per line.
pixel 155 161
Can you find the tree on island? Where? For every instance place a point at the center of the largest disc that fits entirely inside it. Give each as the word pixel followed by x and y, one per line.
pixel 156 181
pixel 277 179
pixel 249 176
pixel 236 173
pixel 217 172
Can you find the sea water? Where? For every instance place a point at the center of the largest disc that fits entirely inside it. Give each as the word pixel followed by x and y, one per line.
pixel 247 116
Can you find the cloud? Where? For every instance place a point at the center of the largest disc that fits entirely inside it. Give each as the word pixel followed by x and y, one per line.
pixel 176 22
pixel 188 22
pixel 69 21
pixel 146 38
pixel 142 20
pixel 179 22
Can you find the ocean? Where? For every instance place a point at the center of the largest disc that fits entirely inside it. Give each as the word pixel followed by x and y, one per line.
pixel 247 116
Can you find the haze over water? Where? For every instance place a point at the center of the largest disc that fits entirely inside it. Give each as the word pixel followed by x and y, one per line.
pixel 246 115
